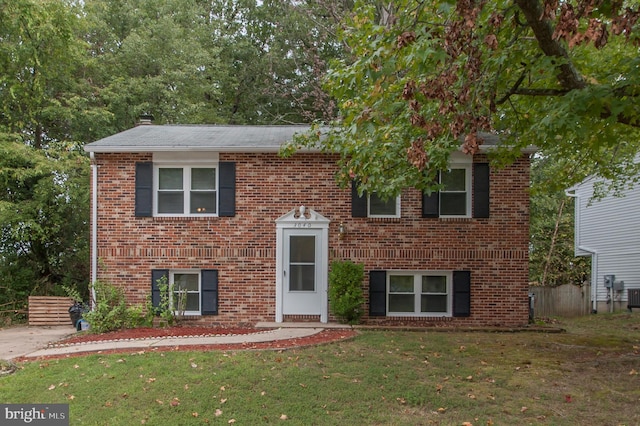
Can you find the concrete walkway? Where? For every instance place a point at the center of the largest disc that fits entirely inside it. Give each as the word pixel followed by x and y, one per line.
pixel 156 342
pixel 35 341
pixel 21 340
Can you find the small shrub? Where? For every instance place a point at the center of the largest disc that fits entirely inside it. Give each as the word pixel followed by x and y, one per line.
pixel 110 312
pixel 345 291
pixel 164 310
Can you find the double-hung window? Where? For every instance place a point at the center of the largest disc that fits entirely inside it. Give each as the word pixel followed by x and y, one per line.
pixel 186 190
pixel 378 207
pixel 419 293
pixel 455 196
pixel 185 292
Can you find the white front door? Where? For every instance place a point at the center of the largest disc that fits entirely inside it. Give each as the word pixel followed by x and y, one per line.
pixel 303 288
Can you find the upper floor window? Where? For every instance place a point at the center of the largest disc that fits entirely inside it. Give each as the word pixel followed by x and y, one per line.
pixel 455 196
pixel 378 207
pixel 187 190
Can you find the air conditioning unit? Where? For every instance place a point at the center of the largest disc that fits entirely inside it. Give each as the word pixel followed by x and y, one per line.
pixel 633 298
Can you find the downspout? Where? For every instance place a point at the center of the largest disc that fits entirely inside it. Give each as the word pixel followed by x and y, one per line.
pixel 94 227
pixel 592 252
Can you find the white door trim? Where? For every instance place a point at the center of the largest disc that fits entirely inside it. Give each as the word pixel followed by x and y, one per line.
pixel 303 218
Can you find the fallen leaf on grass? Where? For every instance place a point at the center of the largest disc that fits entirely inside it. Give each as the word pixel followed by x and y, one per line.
pixel 232 421
pixel 194 414
pixel 567 398
pixel 159 401
pixel 442 410
pixel 467 424
pixel 523 409
pixel 175 402
pixel 52 387
pixel 283 417
pixel 633 372
pixel 218 412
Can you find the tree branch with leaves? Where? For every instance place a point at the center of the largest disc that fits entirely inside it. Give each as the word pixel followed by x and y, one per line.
pixel 427 78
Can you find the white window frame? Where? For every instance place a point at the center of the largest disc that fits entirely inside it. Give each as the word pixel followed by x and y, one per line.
pixel 468 190
pixel 396 215
pixel 186 188
pixel 172 274
pixel 417 293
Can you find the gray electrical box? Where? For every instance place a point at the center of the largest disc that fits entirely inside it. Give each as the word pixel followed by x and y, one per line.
pixel 609 280
pixel 618 285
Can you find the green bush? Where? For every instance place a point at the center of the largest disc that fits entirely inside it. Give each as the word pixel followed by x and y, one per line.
pixel 345 291
pixel 110 312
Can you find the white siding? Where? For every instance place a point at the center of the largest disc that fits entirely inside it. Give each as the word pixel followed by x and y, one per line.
pixel 610 227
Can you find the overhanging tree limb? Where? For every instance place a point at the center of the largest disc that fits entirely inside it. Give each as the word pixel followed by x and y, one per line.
pixel 568 76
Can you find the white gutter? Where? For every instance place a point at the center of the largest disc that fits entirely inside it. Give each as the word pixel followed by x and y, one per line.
pixel 94 227
pixel 592 252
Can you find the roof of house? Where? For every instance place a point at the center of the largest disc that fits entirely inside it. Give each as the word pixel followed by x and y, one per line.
pixel 147 138
pixel 219 138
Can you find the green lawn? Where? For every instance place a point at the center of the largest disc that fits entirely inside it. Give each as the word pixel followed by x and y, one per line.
pixel 588 375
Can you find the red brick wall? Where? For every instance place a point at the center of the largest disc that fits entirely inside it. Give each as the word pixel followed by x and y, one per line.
pixel 242 248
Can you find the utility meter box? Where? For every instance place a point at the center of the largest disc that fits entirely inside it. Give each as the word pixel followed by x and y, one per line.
pixel 618 285
pixel 609 280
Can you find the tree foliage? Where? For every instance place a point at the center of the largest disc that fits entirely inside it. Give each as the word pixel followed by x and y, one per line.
pixel 44 215
pixel 552 258
pixel 74 71
pixel 426 78
pixel 220 61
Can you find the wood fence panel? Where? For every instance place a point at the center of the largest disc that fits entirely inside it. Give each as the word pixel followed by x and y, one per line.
pixel 49 310
pixel 566 300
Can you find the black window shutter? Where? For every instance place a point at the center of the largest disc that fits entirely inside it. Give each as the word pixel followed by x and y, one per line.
pixel 358 203
pixel 461 293
pixel 209 292
pixel 431 204
pixel 227 187
pixel 144 189
pixel 377 293
pixel 157 274
pixel 481 190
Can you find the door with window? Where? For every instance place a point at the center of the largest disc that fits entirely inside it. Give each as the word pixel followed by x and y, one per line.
pixel 302 288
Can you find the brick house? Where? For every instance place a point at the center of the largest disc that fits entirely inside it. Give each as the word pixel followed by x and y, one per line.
pixel 248 236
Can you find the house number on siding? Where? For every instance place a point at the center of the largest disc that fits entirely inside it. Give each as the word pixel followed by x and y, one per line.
pixel 302 225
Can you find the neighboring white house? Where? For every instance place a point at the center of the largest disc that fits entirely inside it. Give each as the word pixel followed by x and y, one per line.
pixel 608 230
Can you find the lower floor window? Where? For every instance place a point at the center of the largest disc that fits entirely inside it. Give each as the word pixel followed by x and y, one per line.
pixel 419 293
pixel 185 292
